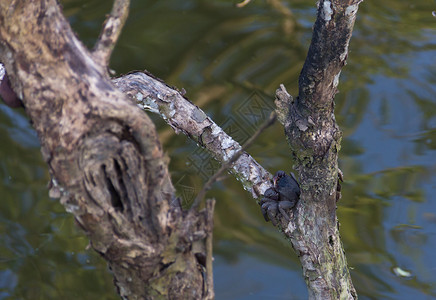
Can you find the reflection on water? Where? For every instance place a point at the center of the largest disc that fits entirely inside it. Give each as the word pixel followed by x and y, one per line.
pixel 223 56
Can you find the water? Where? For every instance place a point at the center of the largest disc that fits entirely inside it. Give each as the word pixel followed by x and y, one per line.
pixel 230 61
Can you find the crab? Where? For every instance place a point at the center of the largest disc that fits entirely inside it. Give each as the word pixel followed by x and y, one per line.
pixel 280 198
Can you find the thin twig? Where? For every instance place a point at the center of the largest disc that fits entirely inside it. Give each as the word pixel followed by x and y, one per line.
pixel 243 3
pixel 234 158
pixel 210 206
pixel 111 31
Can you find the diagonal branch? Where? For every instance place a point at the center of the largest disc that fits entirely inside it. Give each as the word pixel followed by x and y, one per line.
pixel 111 31
pixel 183 116
pixel 235 157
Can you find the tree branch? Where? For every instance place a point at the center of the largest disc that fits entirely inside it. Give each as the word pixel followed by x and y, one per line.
pixel 108 165
pixel 235 157
pixel 314 138
pixel 110 32
pixel 183 116
pixel 210 207
pixel 104 156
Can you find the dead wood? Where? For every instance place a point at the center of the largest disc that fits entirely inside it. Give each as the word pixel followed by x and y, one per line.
pixel 109 170
pixel 103 153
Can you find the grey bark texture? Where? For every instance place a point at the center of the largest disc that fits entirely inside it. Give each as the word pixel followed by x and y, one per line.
pixel 314 138
pixel 109 170
pixel 104 155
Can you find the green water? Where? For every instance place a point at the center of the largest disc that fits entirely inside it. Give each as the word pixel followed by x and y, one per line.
pixel 230 61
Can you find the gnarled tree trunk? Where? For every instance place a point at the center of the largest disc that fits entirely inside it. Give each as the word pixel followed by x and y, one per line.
pixel 104 155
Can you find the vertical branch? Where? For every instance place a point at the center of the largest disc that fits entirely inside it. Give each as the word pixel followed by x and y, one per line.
pixel 327 53
pixel 314 138
pixel 313 134
pixel 210 207
pixel 111 31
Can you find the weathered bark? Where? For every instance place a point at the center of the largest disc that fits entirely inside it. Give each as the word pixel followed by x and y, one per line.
pixel 313 135
pixel 104 155
pixel 154 95
pixel 110 172
pixel 314 138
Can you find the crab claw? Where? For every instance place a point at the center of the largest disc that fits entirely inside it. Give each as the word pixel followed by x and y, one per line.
pixel 277 176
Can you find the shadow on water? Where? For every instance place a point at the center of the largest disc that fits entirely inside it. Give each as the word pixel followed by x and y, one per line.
pixel 230 61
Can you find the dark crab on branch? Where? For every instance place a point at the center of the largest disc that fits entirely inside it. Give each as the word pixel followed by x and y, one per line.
pixel 280 198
